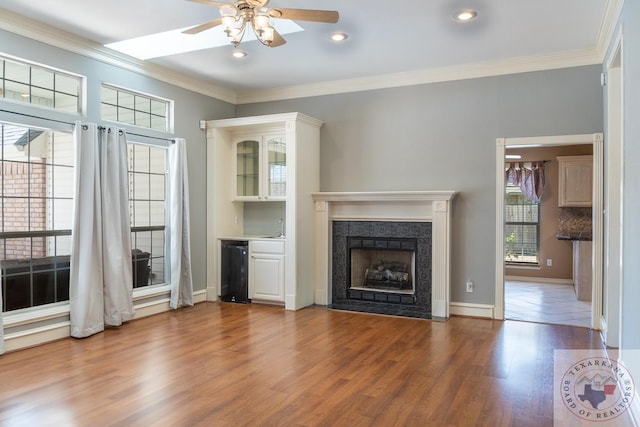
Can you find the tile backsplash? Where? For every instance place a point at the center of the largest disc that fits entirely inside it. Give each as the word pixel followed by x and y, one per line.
pixel 574 224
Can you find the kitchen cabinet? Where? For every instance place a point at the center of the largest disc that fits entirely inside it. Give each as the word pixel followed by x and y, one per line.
pixel 266 270
pixel 260 167
pixel 582 277
pixel 575 181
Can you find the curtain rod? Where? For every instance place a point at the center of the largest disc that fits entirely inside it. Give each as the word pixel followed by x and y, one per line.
pixel 73 124
pixel 36 117
pixel 171 140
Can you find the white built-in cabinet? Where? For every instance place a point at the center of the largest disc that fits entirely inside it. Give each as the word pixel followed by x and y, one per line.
pixel 275 159
pixel 266 270
pixel 575 181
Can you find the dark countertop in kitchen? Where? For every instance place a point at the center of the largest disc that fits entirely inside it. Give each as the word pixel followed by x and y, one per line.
pixel 580 237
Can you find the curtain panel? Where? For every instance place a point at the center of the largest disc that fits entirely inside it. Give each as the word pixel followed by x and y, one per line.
pixel 100 283
pixel 181 280
pixel 1 327
pixel 529 176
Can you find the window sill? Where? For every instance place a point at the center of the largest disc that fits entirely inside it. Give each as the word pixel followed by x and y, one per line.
pixel 522 266
pixel 35 314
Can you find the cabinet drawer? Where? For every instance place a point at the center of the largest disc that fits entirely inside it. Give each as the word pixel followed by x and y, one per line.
pixel 267 246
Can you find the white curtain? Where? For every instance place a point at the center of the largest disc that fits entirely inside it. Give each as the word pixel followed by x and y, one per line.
pixel 100 283
pixel 116 228
pixel 181 281
pixel 1 327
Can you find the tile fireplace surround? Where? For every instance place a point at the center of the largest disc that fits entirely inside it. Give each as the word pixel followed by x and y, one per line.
pixel 402 206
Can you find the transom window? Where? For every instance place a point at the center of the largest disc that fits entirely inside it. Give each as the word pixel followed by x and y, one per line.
pixel 36 205
pixel 24 82
pixel 134 108
pixel 147 203
pixel 522 228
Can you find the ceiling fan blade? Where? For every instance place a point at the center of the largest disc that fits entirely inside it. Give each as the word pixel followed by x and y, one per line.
pixel 329 16
pixel 202 27
pixel 278 40
pixel 211 3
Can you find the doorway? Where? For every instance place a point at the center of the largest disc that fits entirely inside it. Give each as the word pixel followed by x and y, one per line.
pixel 563 142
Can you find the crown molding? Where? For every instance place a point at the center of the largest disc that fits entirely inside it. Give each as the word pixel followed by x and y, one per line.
pixel 32 29
pixel 608 27
pixel 436 75
pixel 41 32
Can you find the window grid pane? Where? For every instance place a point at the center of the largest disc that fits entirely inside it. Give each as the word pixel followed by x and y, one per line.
pixel 147 201
pixel 134 108
pixel 39 86
pixel 522 228
pixel 35 267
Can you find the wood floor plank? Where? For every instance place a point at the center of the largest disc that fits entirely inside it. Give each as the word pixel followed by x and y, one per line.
pixel 223 364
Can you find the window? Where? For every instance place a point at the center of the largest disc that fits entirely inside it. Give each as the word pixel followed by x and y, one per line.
pixel 134 108
pixel 36 205
pixel 522 227
pixel 40 86
pixel 147 202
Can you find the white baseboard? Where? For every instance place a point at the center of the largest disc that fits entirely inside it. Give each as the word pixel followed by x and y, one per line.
pixel 36 336
pixel 471 310
pixel 548 280
pixel 60 327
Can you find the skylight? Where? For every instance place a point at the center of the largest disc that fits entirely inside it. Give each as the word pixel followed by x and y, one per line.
pixel 174 42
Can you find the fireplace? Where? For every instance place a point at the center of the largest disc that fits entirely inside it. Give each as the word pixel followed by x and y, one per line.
pixel 342 217
pixel 382 267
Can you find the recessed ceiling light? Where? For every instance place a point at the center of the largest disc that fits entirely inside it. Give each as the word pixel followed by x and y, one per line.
pixel 24 95
pixel 239 54
pixel 513 156
pixel 466 15
pixel 339 37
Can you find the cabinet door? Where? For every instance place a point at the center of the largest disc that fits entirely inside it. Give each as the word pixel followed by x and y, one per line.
pixel 575 181
pixel 266 277
pixel 247 162
pixel 276 167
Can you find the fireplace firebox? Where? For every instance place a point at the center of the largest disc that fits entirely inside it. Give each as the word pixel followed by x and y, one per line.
pixel 382 267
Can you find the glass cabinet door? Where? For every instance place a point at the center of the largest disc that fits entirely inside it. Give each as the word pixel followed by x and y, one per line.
pixel 247 168
pixel 276 167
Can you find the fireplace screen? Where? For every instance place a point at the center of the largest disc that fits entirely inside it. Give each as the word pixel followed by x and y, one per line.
pixel 382 269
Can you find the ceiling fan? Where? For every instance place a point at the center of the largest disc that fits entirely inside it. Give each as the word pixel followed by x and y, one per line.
pixel 236 16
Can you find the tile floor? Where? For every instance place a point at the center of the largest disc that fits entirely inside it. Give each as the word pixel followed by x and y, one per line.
pixel 545 303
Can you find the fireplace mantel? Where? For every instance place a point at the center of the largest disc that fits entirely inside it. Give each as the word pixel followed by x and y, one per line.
pixel 419 206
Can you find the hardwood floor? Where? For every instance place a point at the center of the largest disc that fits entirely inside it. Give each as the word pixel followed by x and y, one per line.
pixel 545 303
pixel 224 364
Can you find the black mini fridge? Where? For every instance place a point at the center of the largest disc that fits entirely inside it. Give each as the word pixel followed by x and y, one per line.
pixel 234 286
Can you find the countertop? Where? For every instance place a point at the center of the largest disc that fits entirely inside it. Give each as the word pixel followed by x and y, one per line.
pixel 247 238
pixel 580 236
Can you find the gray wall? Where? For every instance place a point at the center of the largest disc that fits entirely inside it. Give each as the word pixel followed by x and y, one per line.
pixel 442 137
pixel 190 107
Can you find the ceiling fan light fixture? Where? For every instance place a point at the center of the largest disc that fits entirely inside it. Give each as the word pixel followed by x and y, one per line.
pixel 339 37
pixel 465 15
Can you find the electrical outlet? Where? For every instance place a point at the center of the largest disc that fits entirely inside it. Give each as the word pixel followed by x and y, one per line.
pixel 469 286
pixel 549 262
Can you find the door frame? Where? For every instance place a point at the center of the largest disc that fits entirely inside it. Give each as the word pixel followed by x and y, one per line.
pixel 596 139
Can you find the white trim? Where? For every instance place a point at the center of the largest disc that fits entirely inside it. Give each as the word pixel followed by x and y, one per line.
pixel 383 196
pixel 32 336
pixel 596 139
pixel 471 310
pixel 546 280
pixel 36 336
pixel 435 75
pixel 41 32
pixel 44 33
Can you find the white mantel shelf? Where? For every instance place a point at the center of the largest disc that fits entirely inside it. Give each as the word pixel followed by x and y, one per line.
pixel 427 206
pixel 382 196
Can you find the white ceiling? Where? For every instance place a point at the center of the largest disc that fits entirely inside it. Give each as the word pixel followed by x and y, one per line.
pixel 387 39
